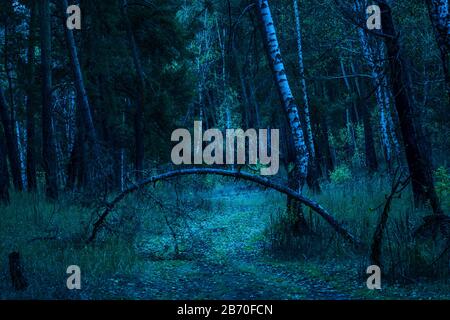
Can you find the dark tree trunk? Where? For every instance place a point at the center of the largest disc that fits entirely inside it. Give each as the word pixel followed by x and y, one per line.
pixel 419 166
pixel 48 139
pixel 76 174
pixel 11 146
pixel 31 102
pixel 16 271
pixel 84 108
pixel 328 154
pixel 139 114
pixel 4 175
pixel 369 144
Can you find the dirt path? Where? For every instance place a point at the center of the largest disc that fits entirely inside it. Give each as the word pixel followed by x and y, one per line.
pixel 231 264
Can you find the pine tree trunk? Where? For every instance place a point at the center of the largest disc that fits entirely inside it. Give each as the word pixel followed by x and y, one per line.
pixel 48 138
pixel 419 166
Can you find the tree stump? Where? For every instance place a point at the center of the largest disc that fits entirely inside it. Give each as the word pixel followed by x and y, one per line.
pixel 15 268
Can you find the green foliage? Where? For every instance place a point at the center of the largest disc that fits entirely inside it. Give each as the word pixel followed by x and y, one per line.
pixel 341 174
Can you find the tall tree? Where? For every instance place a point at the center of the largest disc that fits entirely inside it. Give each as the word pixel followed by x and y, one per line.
pixel 313 173
pixel 303 81
pixel 48 137
pixel 299 151
pixel 32 98
pixel 284 90
pixel 11 145
pixel 82 98
pixel 418 163
pixel 139 113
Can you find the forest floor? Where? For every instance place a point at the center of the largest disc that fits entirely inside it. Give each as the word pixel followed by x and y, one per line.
pixel 233 262
pixel 224 249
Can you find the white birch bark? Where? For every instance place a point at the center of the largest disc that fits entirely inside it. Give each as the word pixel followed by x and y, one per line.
pixel 379 79
pixel 288 101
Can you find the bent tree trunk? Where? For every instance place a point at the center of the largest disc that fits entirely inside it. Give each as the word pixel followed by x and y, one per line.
pixel 234 174
pixel 418 164
pixel 284 90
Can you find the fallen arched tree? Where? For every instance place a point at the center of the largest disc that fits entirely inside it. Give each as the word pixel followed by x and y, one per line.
pixel 227 173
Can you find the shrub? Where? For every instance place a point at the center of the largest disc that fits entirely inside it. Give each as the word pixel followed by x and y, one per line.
pixel 341 174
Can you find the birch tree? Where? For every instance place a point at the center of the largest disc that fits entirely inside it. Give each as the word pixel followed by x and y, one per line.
pixel 303 81
pixel 284 90
pixel 374 57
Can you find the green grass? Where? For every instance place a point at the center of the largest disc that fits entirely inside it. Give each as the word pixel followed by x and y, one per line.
pixel 49 238
pixel 223 232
